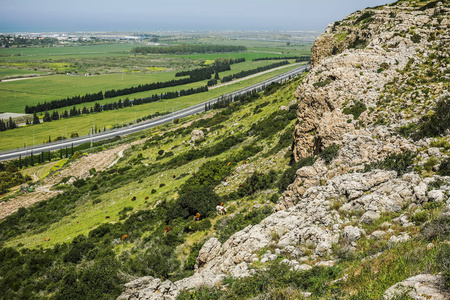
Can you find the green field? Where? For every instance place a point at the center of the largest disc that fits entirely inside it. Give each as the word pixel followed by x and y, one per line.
pixel 63 52
pixel 113 66
pixel 82 124
pixel 15 95
pixel 15 73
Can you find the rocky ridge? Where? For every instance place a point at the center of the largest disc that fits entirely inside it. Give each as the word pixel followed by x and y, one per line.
pixel 369 57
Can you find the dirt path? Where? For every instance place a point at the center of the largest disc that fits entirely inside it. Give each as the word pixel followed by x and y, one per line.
pixel 22 78
pixel 251 76
pixel 79 169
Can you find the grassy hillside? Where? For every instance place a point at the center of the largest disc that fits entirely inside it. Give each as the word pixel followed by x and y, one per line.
pixel 173 172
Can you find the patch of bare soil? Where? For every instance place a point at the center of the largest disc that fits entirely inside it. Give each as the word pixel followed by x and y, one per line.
pixel 78 169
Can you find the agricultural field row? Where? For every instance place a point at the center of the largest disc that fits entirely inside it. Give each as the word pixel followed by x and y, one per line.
pixel 82 124
pixel 15 95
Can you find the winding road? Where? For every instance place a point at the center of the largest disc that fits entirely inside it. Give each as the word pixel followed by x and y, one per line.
pixel 192 110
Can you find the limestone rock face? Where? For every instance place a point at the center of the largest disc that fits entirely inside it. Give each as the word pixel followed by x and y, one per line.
pixel 208 252
pixel 149 288
pixel 421 287
pixel 363 59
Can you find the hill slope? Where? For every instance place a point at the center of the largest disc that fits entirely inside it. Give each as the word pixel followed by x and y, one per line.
pixel 370 208
pixel 357 202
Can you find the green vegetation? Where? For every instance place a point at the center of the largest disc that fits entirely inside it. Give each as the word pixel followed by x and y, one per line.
pixel 82 124
pixel 253 71
pixel 228 226
pixel 329 153
pixel 322 83
pixel 365 17
pixel 356 109
pixel 96 221
pixel 289 175
pixel 10 176
pixel 277 282
pixel 188 49
pixel 400 162
pixel 433 124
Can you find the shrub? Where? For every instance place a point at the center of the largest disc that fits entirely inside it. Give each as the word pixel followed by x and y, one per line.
pixel 289 175
pixel 322 83
pixel 274 123
pixel 437 123
pixel 366 16
pixel 202 225
pixel 430 163
pixel 329 153
pixel 419 216
pixel 209 174
pixel 79 248
pixel 191 260
pixel 257 182
pixel 200 200
pixel 443 263
pixel 397 162
pixel 444 167
pixel 416 38
pixel 356 109
pixel 437 229
pixel 123 213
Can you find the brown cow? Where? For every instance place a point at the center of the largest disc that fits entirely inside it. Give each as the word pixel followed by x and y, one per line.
pixel 174 176
pixel 167 229
pixel 146 197
pixel 197 217
pixel 244 162
pixel 47 239
pixel 133 199
pixel 124 237
pixel 107 217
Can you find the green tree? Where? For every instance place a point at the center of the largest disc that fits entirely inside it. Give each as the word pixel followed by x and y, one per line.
pixel 36 119
pixel 202 200
pixel 47 117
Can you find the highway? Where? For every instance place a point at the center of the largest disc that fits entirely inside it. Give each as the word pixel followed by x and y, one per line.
pixel 192 110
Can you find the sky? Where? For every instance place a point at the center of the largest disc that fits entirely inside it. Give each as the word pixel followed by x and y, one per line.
pixel 168 15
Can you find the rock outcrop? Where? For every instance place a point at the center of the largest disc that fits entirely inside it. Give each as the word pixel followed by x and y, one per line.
pixel 370 58
pixel 420 287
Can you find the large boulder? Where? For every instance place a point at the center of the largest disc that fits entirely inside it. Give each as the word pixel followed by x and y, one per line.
pixel 421 287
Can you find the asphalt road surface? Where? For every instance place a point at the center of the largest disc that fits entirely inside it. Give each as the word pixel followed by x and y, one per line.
pixel 192 110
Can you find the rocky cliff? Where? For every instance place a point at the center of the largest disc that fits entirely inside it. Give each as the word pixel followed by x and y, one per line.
pixel 374 75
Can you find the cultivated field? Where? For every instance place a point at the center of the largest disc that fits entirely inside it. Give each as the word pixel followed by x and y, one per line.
pixel 113 66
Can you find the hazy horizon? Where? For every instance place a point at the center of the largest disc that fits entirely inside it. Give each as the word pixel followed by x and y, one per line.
pixel 174 15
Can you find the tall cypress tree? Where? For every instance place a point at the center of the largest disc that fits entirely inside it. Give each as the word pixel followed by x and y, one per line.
pixel 2 125
pixel 47 117
pixel 36 119
pixel 11 123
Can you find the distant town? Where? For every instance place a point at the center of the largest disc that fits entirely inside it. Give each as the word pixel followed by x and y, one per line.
pixel 38 39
